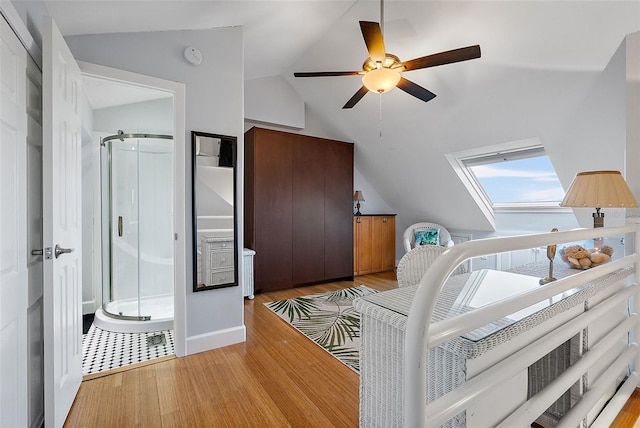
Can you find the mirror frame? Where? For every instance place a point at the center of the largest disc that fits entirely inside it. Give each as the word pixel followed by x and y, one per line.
pixel 234 143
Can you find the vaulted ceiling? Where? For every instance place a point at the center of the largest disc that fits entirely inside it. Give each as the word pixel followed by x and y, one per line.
pixel 542 74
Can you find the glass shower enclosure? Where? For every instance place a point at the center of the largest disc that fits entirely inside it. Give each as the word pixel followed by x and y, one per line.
pixel 137 228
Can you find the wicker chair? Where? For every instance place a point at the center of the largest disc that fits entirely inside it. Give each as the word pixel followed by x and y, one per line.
pixel 407 237
pixel 415 263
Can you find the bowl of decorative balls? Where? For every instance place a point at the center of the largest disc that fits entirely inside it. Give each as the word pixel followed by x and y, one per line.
pixel 578 257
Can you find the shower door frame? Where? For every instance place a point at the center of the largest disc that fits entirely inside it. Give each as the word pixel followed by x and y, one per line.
pixel 178 91
pixel 109 222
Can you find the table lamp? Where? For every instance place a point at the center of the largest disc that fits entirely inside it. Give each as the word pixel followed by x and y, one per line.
pixel 357 197
pixel 599 189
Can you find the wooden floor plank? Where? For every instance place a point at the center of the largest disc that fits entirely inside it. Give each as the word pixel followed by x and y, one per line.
pixel 628 416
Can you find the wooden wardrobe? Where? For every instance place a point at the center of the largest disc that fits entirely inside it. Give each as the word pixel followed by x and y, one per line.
pixel 298 205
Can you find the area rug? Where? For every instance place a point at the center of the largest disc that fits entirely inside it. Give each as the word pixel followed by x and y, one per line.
pixel 328 319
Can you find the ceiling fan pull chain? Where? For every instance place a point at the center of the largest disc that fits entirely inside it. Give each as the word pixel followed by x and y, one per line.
pixel 380 122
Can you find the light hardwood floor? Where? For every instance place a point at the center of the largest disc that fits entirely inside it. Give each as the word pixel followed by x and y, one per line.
pixel 277 378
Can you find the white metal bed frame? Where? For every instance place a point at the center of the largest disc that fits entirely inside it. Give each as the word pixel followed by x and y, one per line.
pixel 421 335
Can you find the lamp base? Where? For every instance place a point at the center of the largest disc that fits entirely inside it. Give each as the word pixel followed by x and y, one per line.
pixel 550 278
pixel 598 218
pixel 358 209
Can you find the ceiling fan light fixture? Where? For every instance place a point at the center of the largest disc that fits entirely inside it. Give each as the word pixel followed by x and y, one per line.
pixel 381 80
pixel 381 71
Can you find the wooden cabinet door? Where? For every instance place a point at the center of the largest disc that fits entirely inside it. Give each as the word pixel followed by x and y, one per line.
pixel 308 217
pixel 338 210
pixel 273 211
pixel 378 242
pixel 383 237
pixel 389 243
pixel 363 247
pixel 355 246
pixel 298 201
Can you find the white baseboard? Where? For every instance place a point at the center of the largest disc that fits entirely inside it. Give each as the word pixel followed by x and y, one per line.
pixel 216 339
pixel 88 307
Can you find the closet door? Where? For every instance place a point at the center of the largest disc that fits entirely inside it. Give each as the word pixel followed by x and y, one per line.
pixel 14 255
pixel 338 206
pixel 273 210
pixel 298 208
pixel 308 209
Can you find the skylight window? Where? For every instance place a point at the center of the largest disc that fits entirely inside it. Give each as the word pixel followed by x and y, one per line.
pixel 516 175
pixel 517 181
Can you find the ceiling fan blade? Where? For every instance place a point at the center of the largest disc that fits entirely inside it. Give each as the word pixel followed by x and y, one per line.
pixel 448 57
pixel 356 97
pixel 415 90
pixel 373 39
pixel 326 73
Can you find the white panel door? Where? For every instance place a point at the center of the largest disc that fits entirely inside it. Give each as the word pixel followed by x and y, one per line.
pixel 13 234
pixel 62 225
pixel 34 242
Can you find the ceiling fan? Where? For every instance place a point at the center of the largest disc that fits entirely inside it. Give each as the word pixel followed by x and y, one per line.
pixel 382 71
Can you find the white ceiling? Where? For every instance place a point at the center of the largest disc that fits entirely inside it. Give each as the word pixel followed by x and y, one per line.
pixel 539 62
pixel 278 33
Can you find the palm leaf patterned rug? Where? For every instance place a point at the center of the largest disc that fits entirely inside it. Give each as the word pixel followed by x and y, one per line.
pixel 328 319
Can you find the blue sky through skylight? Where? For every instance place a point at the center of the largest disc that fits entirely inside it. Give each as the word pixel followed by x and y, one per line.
pixel 521 180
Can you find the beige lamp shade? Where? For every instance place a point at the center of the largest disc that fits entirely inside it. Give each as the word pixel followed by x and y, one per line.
pixel 599 189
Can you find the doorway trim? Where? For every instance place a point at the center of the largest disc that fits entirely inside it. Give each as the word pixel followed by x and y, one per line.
pixel 179 199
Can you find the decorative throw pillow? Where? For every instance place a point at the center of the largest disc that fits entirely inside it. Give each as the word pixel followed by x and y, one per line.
pixel 426 237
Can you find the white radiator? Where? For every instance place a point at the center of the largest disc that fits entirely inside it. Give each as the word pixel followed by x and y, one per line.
pixel 247 273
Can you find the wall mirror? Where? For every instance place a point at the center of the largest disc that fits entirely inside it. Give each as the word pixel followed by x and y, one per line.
pixel 214 211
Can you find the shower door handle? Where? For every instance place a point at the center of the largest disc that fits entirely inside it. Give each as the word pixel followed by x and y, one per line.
pixel 59 250
pixel 119 225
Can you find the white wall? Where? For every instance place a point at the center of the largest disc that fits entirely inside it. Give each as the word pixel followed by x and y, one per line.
pixel 91 297
pixel 272 100
pixel 373 202
pixel 214 104
pixel 632 79
pixel 155 116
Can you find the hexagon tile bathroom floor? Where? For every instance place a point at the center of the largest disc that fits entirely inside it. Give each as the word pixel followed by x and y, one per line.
pixel 105 350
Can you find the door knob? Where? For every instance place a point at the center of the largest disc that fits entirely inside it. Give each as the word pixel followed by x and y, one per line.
pixel 59 250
